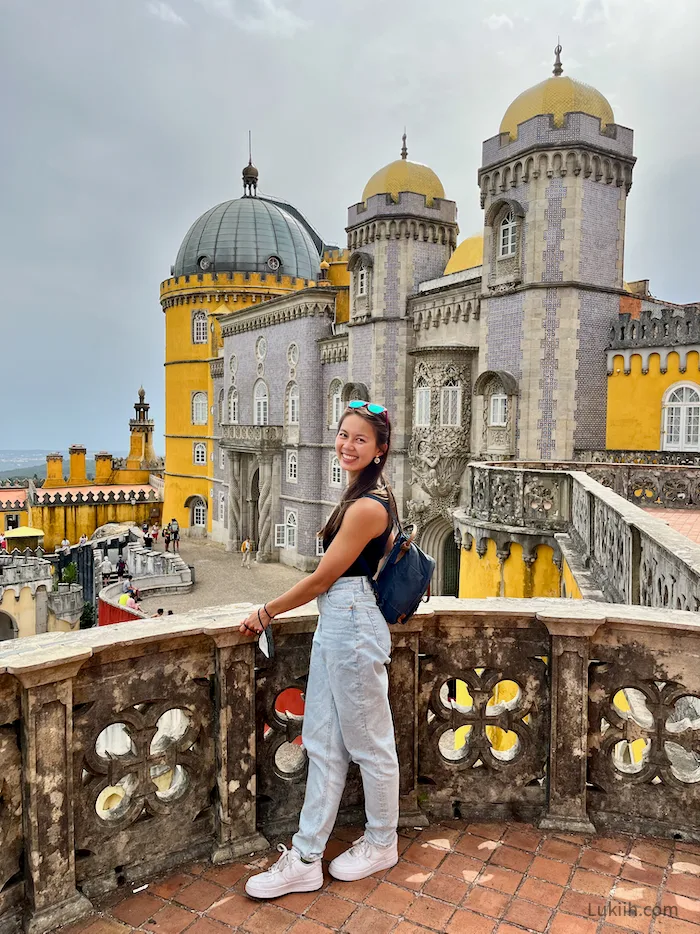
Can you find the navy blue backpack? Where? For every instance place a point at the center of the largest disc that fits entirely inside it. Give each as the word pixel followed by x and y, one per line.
pixel 405 575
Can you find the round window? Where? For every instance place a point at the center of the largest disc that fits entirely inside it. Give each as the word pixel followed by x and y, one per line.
pixel 292 355
pixel 204 263
pixel 260 348
pixel 274 263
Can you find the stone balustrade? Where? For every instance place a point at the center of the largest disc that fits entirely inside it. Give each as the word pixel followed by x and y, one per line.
pixel 630 556
pixel 256 439
pixel 153 573
pixel 129 749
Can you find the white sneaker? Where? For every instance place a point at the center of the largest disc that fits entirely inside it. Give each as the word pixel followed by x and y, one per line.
pixel 362 859
pixel 289 874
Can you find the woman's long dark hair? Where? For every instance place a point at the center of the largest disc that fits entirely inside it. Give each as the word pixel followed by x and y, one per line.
pixel 371 478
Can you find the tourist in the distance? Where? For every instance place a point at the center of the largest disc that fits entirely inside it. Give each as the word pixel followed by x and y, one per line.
pixel 167 533
pixel 347 715
pixel 83 539
pixel 106 569
pixel 121 567
pixel 158 614
pixel 247 552
pixel 65 546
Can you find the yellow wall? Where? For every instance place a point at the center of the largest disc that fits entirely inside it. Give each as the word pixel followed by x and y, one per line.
pixel 72 521
pixel 187 371
pixel 22 609
pixel 483 577
pixel 635 400
pixel 570 588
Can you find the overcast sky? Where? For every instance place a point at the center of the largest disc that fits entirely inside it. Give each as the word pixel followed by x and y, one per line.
pixel 123 120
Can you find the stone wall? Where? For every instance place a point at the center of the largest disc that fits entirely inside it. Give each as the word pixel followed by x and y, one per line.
pixel 204 721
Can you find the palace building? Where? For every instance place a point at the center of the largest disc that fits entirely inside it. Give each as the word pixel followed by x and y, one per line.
pixel 520 342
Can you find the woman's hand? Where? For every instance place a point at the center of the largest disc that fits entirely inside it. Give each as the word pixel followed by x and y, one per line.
pixel 256 622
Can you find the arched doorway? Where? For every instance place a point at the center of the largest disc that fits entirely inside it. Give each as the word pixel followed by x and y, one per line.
pixel 255 507
pixel 450 567
pixel 8 626
pixel 437 540
pixel 198 515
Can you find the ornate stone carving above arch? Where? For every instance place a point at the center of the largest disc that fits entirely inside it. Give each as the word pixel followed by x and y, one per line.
pixel 498 436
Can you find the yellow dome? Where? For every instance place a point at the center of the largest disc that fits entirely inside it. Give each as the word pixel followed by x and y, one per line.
pixel 403 175
pixel 557 96
pixel 468 254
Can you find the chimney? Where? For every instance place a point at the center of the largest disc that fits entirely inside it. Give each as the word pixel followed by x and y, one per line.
pixel 77 476
pixel 54 470
pixel 103 468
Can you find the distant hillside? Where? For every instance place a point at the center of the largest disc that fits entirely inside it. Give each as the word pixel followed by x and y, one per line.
pixel 39 470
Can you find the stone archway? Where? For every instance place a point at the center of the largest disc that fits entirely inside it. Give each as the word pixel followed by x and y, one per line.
pixel 437 539
pixel 8 626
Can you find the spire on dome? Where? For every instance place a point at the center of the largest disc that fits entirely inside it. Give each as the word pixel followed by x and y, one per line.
pixel 404 151
pixel 558 69
pixel 250 173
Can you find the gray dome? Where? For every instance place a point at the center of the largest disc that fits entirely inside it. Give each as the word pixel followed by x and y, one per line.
pixel 248 235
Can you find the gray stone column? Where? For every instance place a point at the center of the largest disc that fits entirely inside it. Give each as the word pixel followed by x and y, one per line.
pixel 265 541
pixel 233 463
pixel 47 807
pixel 568 748
pixel 236 752
pixel 403 696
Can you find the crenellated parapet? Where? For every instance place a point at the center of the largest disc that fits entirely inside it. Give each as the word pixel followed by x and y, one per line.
pixel 113 497
pixel 227 287
pixel 578 130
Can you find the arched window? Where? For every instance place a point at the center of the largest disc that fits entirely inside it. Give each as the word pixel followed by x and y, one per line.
pixel 681 419
pixel 335 402
pixel 507 238
pixel 260 403
pixel 199 408
pixel 498 410
pixel 199 327
pixel 200 453
pixel 233 406
pixel 451 404
pixel 292 404
pixel 199 513
pixel 221 407
pixel 290 521
pixel 222 507
pixel 292 466
pixel 421 410
pixel 336 477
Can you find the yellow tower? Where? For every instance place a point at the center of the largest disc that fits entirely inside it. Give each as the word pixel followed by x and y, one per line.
pixel 238 254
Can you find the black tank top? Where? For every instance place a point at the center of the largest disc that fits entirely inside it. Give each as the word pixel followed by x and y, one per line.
pixel 373 550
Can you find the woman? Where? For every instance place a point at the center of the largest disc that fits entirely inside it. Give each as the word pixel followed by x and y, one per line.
pixel 347 714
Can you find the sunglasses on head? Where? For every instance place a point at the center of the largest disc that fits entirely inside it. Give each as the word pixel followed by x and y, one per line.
pixel 371 406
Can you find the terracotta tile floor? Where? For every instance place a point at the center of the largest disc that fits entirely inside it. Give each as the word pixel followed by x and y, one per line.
pixel 685 521
pixel 454 877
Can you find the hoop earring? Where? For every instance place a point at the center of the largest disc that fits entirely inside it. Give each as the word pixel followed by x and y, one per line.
pixel 377 460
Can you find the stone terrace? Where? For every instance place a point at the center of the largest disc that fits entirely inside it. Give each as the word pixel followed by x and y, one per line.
pixel 478 878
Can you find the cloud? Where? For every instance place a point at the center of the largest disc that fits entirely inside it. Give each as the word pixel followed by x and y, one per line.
pixel 497 20
pixel 165 12
pixel 256 16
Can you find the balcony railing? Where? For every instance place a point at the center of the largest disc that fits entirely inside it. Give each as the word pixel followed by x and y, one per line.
pixel 129 749
pixel 254 439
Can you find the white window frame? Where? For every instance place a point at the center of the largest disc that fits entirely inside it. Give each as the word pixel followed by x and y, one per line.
pixel 222 506
pixel 199 453
pixel 293 404
pixel 293 354
pixel 320 551
pixel 498 410
pixel 199 511
pixel 286 534
pixel 200 408
pixel 336 402
pixel 335 476
pixel 507 236
pixel 292 466
pixel 199 327
pixel 361 282
pixel 686 412
pixel 261 403
pixel 421 412
pixel 233 406
pixel 452 390
pixel 222 459
pixel 222 397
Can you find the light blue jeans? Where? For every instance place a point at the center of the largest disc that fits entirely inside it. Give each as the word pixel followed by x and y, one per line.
pixel 347 718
